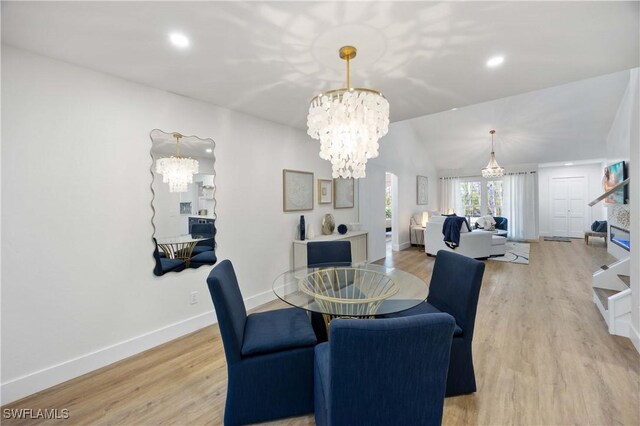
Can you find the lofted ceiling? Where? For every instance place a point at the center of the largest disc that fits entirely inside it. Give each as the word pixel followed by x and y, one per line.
pixel 563 123
pixel 268 58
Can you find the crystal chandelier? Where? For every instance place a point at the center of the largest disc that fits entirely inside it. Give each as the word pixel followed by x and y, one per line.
pixel 177 171
pixel 348 122
pixel 493 169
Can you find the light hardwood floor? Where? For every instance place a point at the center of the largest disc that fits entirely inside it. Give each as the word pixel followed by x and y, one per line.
pixel 541 349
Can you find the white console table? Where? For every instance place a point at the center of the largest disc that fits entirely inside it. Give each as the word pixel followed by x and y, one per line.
pixel 358 241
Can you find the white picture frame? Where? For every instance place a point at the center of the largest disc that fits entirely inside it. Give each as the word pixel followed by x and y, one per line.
pixel 297 190
pixel 325 191
pixel 343 193
pixel 422 190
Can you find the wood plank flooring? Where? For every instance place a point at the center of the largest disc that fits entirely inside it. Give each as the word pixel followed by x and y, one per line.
pixel 541 349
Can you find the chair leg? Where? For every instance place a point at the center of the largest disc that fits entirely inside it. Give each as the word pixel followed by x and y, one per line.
pixel 461 378
pixel 319 327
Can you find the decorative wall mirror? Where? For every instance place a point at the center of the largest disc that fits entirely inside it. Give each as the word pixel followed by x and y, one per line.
pixel 183 201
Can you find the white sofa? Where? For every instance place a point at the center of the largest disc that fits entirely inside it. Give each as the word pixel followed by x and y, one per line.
pixel 477 244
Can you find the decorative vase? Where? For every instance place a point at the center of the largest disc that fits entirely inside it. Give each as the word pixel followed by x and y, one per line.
pixel 328 224
pixel 342 229
pixel 302 228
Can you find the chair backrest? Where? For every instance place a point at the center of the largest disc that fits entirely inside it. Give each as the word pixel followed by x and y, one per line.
pixel 455 287
pixel 230 309
pixel 204 230
pixel 328 253
pixel 402 383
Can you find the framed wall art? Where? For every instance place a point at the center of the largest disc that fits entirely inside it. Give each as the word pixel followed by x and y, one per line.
pixel 343 193
pixel 422 190
pixel 325 191
pixel 297 190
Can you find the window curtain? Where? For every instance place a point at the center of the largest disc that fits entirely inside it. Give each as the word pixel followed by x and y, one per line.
pixel 450 195
pixel 520 206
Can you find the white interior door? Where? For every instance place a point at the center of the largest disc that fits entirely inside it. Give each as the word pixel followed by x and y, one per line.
pixel 577 205
pixel 567 206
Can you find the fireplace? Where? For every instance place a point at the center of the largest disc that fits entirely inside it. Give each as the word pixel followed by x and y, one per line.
pixel 620 237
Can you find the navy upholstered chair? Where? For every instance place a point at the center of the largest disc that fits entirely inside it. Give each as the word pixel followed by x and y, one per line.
pixel 326 253
pixel 203 230
pixel 383 372
pixel 455 289
pixel 205 258
pixel 269 355
pixel 164 265
pixel 501 222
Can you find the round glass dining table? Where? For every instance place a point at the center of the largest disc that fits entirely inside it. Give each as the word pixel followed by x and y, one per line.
pixel 180 246
pixel 354 290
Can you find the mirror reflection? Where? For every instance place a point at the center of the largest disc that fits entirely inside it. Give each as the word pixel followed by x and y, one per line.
pixel 183 203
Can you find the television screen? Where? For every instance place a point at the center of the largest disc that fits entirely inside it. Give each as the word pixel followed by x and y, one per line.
pixel 613 175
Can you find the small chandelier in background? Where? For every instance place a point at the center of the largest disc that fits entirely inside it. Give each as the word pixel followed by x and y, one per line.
pixel 348 122
pixel 177 171
pixel 493 169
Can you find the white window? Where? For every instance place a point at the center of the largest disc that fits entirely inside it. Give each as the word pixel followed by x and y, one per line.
pixel 480 197
pixel 471 196
pixel 494 197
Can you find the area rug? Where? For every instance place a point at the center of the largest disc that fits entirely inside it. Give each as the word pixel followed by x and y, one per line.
pixel 515 253
pixel 561 239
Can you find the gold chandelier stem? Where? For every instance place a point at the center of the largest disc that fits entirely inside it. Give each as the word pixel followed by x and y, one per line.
pixel 493 132
pixel 177 136
pixel 348 77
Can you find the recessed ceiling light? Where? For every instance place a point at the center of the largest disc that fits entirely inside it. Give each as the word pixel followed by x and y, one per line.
pixel 209 150
pixel 495 61
pixel 568 164
pixel 454 109
pixel 179 40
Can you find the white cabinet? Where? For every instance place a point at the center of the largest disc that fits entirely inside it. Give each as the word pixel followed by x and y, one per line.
pixel 358 241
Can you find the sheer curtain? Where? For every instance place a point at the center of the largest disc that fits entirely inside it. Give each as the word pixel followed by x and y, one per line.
pixel 450 195
pixel 520 206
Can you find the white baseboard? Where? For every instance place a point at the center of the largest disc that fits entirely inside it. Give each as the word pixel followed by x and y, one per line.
pixel 39 380
pixel 401 246
pixel 259 299
pixel 635 337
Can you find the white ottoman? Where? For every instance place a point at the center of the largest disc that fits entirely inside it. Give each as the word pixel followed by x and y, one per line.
pixel 498 245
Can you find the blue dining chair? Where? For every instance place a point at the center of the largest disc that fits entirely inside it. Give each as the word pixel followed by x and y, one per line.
pixel 383 372
pixel 334 253
pixel 455 289
pixel 269 355
pixel 205 258
pixel 326 253
pixel 163 264
pixel 203 230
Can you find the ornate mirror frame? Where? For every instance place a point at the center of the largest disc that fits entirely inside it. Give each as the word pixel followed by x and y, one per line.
pixel 182 201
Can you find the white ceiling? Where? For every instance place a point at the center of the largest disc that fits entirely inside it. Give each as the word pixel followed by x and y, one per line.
pixel 563 123
pixel 268 58
pixel 190 146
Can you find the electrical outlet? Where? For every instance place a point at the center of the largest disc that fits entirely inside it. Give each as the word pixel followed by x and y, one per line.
pixel 193 298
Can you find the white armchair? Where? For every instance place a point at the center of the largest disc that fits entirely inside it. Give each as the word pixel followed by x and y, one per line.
pixel 476 244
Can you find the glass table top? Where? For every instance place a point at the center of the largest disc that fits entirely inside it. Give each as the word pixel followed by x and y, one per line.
pixel 182 239
pixel 351 290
